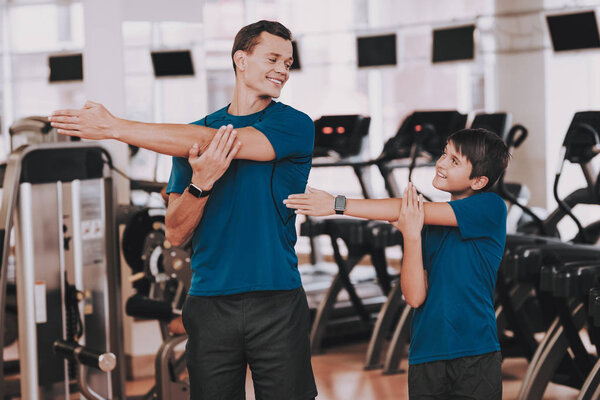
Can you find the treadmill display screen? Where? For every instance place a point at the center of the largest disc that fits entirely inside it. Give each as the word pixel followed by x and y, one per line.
pixel 428 129
pixel 573 31
pixel 376 50
pixel 340 133
pixel 452 44
pixel 172 63
pixel 497 123
pixel 66 68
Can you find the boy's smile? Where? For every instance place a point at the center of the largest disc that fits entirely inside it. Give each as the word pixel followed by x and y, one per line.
pixel 452 174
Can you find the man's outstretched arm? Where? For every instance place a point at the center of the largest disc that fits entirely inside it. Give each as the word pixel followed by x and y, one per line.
pixel 95 122
pixel 320 203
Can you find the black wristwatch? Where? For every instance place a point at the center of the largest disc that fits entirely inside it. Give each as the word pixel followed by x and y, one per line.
pixel 197 192
pixel 339 205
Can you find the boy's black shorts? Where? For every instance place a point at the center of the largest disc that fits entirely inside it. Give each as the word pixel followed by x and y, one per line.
pixel 268 330
pixel 476 377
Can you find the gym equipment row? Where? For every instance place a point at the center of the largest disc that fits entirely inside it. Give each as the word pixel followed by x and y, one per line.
pixel 60 200
pixel 60 290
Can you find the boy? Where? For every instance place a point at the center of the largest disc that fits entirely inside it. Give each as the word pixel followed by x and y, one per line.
pixel 449 269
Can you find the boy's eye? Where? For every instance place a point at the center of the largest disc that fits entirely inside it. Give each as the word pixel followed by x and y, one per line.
pixel 454 161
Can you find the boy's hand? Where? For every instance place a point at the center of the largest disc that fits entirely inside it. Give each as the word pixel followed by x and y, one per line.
pixel 316 203
pixel 212 164
pixel 410 221
pixel 93 121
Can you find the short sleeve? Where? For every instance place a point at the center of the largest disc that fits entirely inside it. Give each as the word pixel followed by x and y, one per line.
pixel 480 215
pixel 291 132
pixel 181 175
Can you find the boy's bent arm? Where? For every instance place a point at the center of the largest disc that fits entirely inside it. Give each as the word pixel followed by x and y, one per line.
pixel 413 278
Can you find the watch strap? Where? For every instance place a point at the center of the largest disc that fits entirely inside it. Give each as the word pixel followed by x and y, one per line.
pixel 197 192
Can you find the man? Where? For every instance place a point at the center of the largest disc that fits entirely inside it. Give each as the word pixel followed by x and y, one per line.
pixel 246 304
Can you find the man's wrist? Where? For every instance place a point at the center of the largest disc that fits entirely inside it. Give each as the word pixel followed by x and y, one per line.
pixel 411 238
pixel 202 184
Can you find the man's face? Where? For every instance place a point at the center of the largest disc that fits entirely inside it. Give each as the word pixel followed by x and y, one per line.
pixel 452 173
pixel 268 65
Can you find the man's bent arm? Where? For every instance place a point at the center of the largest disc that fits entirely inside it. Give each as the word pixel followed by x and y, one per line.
pixel 183 216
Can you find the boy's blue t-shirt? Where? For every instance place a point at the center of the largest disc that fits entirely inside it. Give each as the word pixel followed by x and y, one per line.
pixel 457 318
pixel 245 239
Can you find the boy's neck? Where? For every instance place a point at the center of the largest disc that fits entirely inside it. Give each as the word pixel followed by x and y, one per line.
pixel 463 195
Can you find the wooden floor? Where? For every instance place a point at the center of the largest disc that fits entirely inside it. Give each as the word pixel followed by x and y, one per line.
pixel 340 376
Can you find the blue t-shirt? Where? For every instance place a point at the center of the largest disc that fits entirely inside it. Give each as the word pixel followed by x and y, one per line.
pixel 457 318
pixel 245 240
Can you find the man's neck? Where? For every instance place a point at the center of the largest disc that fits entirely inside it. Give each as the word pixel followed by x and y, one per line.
pixel 246 103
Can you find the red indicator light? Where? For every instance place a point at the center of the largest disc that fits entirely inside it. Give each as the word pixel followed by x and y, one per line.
pixel 327 130
pixel 418 128
pixel 340 130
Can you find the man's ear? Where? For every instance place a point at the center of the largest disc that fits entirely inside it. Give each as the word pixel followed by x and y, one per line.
pixel 479 182
pixel 240 58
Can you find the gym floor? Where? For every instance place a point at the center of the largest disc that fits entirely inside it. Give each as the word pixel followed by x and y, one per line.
pixel 340 376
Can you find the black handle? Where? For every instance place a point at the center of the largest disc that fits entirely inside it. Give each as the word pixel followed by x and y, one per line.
pixel 144 307
pixel 104 361
pixel 513 139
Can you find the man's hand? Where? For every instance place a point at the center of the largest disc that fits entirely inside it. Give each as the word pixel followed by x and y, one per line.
pixel 93 121
pixel 213 163
pixel 317 203
pixel 410 221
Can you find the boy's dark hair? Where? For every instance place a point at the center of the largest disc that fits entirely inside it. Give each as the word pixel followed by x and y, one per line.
pixel 248 37
pixel 486 152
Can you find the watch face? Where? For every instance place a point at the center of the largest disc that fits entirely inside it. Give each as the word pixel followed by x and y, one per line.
pixel 195 191
pixel 340 203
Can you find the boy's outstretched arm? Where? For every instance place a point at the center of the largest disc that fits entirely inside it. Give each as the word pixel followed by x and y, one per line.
pixel 413 278
pixel 319 203
pixel 95 122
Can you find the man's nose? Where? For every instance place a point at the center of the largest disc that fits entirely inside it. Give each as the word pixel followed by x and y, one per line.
pixel 281 68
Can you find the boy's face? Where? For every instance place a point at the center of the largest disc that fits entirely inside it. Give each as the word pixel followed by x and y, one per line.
pixel 266 69
pixel 452 174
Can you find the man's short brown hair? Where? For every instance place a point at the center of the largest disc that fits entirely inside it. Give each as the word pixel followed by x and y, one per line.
pixel 248 37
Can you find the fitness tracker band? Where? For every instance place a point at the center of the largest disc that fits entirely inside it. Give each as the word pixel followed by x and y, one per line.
pixel 339 205
pixel 197 192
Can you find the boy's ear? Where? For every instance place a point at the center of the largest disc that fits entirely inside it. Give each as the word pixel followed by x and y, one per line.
pixel 240 59
pixel 479 182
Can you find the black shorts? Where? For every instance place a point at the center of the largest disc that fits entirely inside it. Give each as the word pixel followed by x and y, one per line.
pixel 269 331
pixel 476 377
